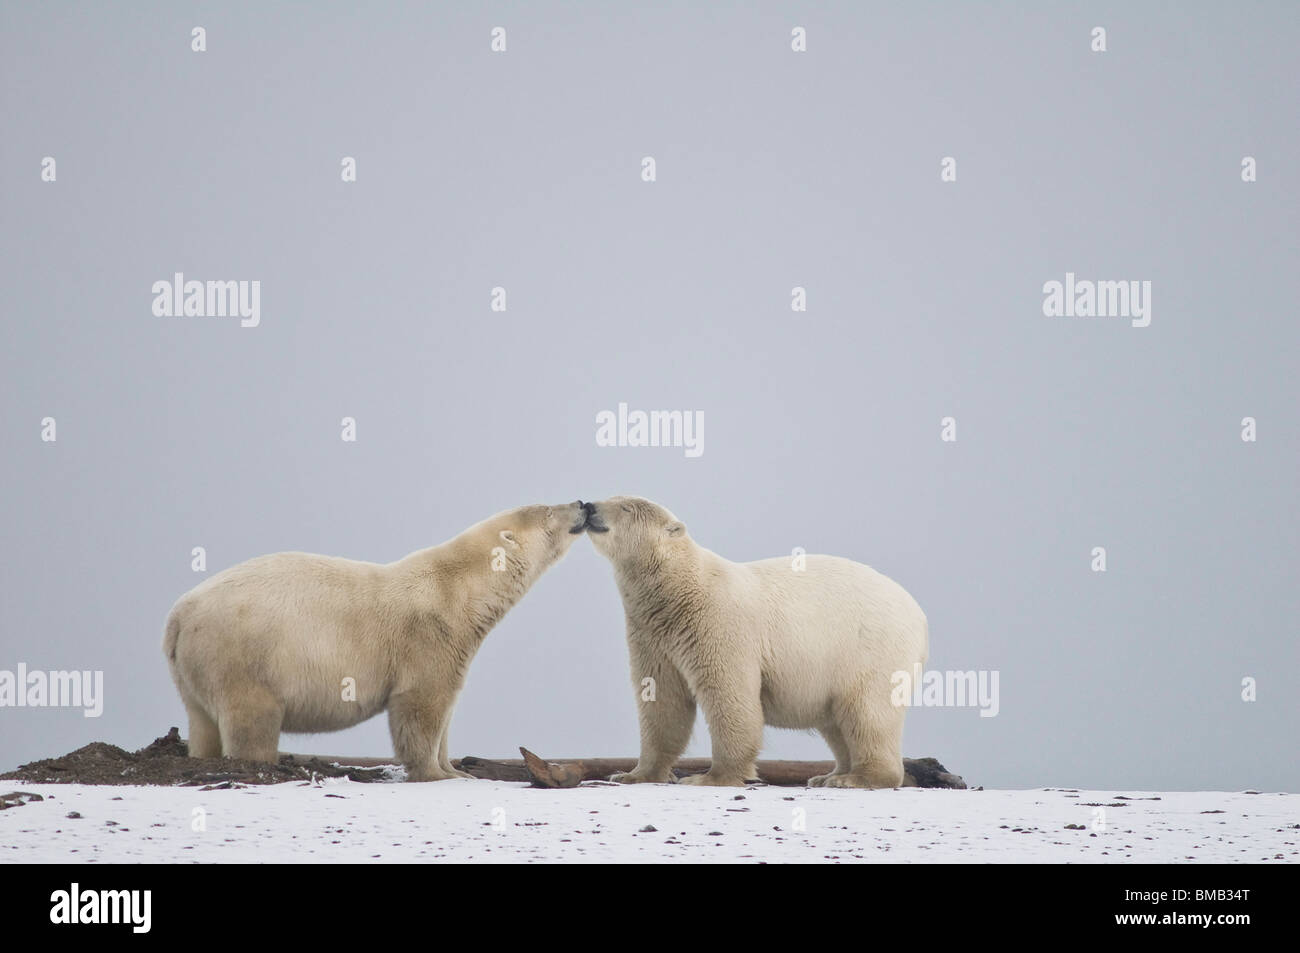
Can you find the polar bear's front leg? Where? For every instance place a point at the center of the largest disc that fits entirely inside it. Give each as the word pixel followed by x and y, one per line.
pixel 734 710
pixel 417 722
pixel 666 713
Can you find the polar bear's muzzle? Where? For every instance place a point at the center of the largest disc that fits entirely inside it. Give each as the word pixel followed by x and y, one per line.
pixel 585 512
pixel 593 523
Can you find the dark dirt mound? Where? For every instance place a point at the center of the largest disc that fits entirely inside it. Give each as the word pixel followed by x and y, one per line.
pixel 166 761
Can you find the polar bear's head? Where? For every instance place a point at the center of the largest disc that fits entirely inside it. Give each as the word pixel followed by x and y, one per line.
pixel 527 541
pixel 629 529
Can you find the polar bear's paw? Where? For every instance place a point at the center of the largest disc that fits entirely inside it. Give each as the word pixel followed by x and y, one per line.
pixel 851 780
pixel 709 779
pixel 819 780
pixel 631 777
pixel 435 774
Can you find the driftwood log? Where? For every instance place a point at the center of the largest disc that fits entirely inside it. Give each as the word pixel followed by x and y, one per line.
pixel 568 772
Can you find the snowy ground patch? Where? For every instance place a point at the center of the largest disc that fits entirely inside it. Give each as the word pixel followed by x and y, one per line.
pixel 494 821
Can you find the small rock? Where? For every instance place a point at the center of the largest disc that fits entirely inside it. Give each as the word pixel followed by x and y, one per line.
pixel 18 799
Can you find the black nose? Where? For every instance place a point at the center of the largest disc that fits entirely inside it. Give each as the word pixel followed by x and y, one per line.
pixel 588 508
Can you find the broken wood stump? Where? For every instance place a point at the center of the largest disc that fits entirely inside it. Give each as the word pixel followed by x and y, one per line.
pixel 550 774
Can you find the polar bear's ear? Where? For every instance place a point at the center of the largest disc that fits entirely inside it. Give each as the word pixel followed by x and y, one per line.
pixel 674 530
pixel 508 538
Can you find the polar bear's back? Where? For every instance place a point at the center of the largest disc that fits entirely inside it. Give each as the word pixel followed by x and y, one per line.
pixel 280 596
pixel 291 622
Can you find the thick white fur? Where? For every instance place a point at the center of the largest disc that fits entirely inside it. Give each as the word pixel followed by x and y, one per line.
pixel 757 643
pixel 265 646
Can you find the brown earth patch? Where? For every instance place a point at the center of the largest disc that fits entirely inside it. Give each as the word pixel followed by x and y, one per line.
pixel 167 761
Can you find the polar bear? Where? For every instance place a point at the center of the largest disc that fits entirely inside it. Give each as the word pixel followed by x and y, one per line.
pixel 305 643
pixel 809 642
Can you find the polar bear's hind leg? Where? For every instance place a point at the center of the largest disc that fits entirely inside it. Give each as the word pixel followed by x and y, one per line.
pixel 250 727
pixel 840 748
pixel 204 738
pixel 874 735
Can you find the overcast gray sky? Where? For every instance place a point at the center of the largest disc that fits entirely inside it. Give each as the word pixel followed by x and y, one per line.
pixel 775 169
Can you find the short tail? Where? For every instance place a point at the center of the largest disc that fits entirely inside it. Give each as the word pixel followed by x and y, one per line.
pixel 925 640
pixel 171 636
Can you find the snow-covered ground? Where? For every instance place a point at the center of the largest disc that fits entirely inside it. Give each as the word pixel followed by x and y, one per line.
pixel 495 821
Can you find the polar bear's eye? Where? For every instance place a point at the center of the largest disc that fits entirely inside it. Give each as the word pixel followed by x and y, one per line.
pixel 627 508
